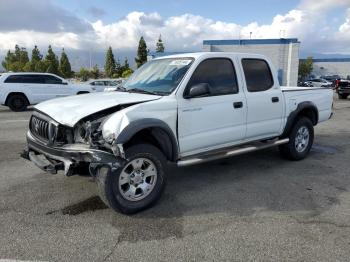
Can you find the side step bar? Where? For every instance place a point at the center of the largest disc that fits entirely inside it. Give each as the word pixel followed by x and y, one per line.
pixel 233 151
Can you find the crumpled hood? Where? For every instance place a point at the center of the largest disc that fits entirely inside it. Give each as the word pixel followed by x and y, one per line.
pixel 69 110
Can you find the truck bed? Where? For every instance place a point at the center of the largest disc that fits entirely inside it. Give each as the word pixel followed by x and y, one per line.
pixel 321 97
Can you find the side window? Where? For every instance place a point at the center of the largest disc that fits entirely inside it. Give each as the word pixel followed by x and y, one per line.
pixel 257 75
pixel 14 79
pixel 33 79
pixel 25 79
pixel 52 79
pixel 219 73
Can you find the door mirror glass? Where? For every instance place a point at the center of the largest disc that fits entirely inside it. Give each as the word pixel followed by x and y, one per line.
pixel 198 90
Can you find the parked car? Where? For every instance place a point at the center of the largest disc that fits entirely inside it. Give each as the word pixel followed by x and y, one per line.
pixel 342 87
pixel 331 78
pixel 19 90
pixel 186 109
pixel 101 84
pixel 304 84
pixel 319 82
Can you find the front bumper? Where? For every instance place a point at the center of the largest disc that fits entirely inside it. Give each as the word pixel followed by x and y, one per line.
pixel 67 158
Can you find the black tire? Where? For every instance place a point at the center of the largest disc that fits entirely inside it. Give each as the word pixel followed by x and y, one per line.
pixel 289 150
pixel 343 96
pixel 83 92
pixel 108 181
pixel 17 102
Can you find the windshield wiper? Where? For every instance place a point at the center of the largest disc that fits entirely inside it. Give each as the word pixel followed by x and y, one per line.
pixel 142 91
pixel 120 88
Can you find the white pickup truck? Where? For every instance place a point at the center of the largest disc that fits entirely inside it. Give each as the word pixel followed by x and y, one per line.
pixel 19 90
pixel 185 109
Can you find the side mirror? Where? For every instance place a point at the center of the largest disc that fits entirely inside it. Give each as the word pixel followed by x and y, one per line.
pixel 64 83
pixel 198 90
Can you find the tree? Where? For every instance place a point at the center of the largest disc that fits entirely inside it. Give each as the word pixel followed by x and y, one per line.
pixel 110 63
pixel 23 57
pixel 51 62
pixel 65 67
pixel 28 67
pixel 36 58
pixel 16 61
pixel 17 53
pixel 141 53
pixel 160 46
pixel 118 69
pixel 127 73
pixel 126 65
pixel 84 74
pixel 40 66
pixel 305 68
pixel 95 72
pixel 8 60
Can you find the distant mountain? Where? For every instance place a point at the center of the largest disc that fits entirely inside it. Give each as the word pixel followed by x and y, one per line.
pixel 304 55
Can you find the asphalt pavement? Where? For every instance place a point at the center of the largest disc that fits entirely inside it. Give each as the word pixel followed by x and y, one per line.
pixel 254 207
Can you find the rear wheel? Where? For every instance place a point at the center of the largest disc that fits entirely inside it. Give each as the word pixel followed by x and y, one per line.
pixel 343 96
pixel 301 138
pixel 17 102
pixel 137 184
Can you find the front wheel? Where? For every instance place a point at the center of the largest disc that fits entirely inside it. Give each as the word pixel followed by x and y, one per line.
pixel 301 138
pixel 137 184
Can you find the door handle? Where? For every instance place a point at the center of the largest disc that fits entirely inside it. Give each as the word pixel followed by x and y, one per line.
pixel 238 104
pixel 275 99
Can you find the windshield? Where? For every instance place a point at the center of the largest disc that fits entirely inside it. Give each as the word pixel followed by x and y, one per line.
pixel 160 76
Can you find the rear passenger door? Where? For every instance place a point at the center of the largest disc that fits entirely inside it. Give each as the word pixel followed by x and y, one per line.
pixel 54 87
pixel 214 120
pixel 264 100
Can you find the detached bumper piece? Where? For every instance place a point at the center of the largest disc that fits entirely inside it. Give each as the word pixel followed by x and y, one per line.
pixel 70 158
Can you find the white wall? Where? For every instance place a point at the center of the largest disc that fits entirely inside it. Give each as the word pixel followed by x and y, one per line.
pixel 331 68
pixel 278 53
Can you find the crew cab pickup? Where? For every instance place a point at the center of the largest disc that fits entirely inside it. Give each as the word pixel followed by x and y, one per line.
pixel 19 90
pixel 183 109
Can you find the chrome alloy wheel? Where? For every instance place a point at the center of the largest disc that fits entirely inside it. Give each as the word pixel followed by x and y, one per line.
pixel 137 179
pixel 302 139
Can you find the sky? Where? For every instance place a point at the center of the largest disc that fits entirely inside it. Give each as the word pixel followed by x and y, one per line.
pixel 88 26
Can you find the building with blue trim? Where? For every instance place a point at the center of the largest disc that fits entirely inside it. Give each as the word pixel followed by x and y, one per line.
pixel 331 66
pixel 283 52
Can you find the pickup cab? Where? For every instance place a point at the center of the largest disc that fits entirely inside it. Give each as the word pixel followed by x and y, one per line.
pixel 183 109
pixel 19 90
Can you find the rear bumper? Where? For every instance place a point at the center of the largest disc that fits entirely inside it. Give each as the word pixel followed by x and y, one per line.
pixel 341 91
pixel 67 158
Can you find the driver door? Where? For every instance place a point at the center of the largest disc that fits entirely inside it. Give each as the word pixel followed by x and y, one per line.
pixel 216 119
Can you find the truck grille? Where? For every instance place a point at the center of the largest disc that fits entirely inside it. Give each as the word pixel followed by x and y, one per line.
pixel 39 128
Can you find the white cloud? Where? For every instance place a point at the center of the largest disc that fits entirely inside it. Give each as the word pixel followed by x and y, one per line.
pixel 186 32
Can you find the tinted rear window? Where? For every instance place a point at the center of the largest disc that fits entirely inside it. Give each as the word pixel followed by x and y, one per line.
pixel 257 75
pixel 25 79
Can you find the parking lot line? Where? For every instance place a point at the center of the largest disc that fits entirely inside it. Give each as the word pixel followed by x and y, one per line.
pixel 13 121
pixel 15 260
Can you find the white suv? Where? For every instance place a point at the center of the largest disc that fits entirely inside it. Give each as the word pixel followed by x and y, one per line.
pixel 19 90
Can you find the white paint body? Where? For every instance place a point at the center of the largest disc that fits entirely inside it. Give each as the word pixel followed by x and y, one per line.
pixel 37 93
pixel 199 124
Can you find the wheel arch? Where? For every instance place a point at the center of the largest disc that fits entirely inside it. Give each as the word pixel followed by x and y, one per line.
pixel 153 131
pixel 15 93
pixel 305 109
pixel 83 92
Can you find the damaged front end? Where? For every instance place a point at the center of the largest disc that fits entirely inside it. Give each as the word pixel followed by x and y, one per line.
pixel 74 150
